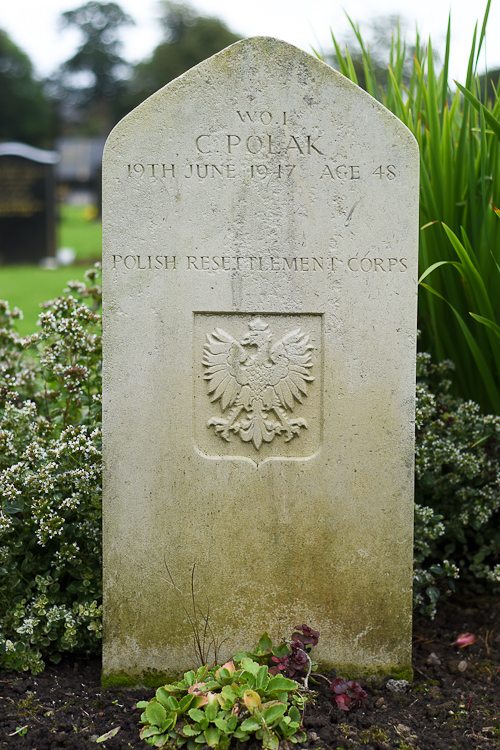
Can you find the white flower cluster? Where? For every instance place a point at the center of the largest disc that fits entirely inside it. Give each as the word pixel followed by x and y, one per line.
pixel 457 472
pixel 50 481
pixel 494 574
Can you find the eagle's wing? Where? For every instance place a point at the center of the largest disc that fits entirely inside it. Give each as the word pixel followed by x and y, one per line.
pixel 223 359
pixel 292 360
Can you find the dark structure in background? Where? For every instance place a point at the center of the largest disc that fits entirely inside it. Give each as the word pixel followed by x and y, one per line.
pixel 79 170
pixel 27 203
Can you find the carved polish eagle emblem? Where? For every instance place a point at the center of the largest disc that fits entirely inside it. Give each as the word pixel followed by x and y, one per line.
pixel 257 381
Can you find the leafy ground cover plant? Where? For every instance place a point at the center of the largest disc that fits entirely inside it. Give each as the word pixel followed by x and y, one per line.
pixel 458 133
pixel 50 481
pixel 348 694
pixel 457 489
pixel 213 707
pixel 290 658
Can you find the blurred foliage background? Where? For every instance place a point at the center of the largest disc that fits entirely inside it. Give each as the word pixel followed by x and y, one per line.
pixel 96 87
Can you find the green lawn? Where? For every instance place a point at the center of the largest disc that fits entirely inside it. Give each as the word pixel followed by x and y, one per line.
pixel 27 286
pixel 79 231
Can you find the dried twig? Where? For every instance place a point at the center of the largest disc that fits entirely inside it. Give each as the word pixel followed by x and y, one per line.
pixel 204 639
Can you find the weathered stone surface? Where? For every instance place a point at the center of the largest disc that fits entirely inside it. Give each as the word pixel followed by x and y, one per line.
pixel 260 266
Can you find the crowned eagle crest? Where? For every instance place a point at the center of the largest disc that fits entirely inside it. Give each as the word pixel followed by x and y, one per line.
pixel 257 381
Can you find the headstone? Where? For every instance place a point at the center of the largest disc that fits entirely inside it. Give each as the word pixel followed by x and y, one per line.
pixel 27 203
pixel 260 264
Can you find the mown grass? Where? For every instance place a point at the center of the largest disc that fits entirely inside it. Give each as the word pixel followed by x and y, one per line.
pixel 79 230
pixel 27 286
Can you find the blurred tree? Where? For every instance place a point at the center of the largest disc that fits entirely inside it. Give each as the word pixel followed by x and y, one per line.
pixel 87 84
pixel 385 35
pixel 26 115
pixel 489 81
pixel 188 39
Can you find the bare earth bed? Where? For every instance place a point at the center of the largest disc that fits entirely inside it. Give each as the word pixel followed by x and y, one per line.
pixel 453 703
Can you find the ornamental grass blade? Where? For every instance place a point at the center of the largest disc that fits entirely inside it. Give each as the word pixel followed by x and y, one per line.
pixel 484 371
pixel 433 268
pixel 471 274
pixel 490 323
pixel 492 121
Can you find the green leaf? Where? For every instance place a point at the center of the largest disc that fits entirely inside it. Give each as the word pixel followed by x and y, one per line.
pixel 160 740
pixel 264 644
pixel 489 117
pixel 212 735
pixel 433 268
pixel 274 713
pixel 239 655
pixel 196 714
pixel 490 323
pixel 289 728
pixel 250 666
pixel 482 365
pixel 165 699
pixel 185 702
pixel 262 678
pixel 189 731
pixel 252 700
pixel 200 674
pixel 211 685
pixel 155 713
pixel 108 735
pixel 270 741
pixel 281 683
pixel 433 593
pixel 11 507
pixel 223 724
pixel 232 722
pixel 250 725
pixel 281 650
pixel 294 713
pixel 149 732
pixel 211 712
pixel 239 734
pixel 175 687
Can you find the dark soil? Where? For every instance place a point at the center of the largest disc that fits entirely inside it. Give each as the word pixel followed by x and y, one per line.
pixel 453 703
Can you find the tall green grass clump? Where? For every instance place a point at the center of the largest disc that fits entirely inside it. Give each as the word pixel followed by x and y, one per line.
pixel 458 132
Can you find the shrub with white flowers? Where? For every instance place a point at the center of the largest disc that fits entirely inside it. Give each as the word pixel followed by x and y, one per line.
pixel 50 481
pixel 457 489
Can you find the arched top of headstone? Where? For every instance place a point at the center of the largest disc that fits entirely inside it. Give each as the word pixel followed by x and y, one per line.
pixel 29 152
pixel 266 68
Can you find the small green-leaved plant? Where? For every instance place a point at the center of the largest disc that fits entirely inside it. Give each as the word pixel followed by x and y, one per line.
pixel 213 707
pixel 289 658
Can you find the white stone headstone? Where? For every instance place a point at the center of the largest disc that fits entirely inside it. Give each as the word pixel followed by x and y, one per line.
pixel 260 286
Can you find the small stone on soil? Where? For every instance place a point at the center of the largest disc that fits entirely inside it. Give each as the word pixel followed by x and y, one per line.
pixel 397 686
